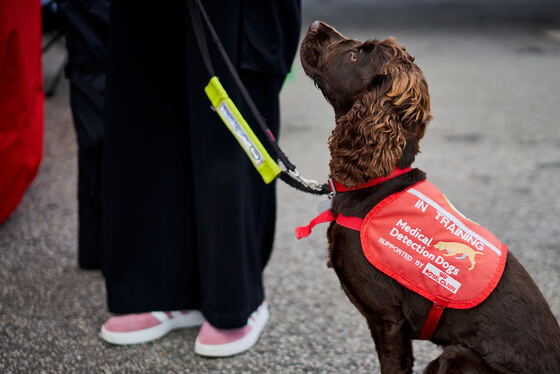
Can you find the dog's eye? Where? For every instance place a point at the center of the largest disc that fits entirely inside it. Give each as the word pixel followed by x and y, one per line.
pixel 354 55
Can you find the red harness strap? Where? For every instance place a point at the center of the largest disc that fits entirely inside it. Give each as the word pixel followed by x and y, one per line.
pixel 432 320
pixel 305 231
pixel 354 223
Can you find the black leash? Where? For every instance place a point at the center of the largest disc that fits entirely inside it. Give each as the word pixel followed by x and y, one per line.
pixel 291 176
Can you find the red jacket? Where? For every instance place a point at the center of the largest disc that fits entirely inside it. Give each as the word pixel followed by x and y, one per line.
pixel 419 239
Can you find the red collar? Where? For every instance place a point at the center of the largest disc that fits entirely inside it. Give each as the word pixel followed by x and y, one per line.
pixel 336 187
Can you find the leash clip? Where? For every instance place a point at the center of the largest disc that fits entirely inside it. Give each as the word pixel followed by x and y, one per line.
pixel 310 183
pixel 332 194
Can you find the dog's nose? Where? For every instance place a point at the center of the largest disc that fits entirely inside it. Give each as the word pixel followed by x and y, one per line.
pixel 314 26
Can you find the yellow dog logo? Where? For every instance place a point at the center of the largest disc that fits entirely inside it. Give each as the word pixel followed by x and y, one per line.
pixel 454 249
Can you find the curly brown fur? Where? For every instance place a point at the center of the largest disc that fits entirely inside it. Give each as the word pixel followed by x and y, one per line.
pixel 382 106
pixel 368 140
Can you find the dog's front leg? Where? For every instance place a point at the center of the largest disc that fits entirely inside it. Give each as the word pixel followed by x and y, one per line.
pixel 393 345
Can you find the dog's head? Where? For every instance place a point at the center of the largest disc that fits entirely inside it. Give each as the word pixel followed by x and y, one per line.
pixel 380 98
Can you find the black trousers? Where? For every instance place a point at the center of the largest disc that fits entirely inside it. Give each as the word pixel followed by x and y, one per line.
pixel 187 221
pixel 85 26
pixel 89 207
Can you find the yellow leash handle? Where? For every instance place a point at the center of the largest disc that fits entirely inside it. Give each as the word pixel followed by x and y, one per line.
pixel 230 115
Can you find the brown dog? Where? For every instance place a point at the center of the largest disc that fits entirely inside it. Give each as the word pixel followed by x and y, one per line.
pixel 382 106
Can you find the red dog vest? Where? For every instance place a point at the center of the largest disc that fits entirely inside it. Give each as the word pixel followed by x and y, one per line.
pixel 419 239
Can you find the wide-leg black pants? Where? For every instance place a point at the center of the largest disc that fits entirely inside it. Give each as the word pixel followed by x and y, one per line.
pixel 85 26
pixel 188 222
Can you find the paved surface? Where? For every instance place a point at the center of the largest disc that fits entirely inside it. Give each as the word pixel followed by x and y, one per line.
pixel 493 146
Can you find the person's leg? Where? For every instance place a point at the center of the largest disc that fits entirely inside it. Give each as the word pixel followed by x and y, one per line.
pixel 150 259
pixel 89 207
pixel 238 242
pixel 235 214
pixel 85 30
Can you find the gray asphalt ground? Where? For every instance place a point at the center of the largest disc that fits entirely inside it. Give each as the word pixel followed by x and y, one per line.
pixel 493 147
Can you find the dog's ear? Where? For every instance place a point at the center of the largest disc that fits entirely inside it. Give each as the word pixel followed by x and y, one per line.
pixel 367 142
pixel 408 92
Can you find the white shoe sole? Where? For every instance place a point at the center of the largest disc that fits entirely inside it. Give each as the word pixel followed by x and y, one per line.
pixel 193 318
pixel 238 346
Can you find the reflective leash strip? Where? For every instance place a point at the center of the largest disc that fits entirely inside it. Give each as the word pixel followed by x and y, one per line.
pixel 291 176
pixel 196 10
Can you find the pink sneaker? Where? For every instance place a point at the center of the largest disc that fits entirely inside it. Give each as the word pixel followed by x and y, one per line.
pixel 144 327
pixel 213 342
